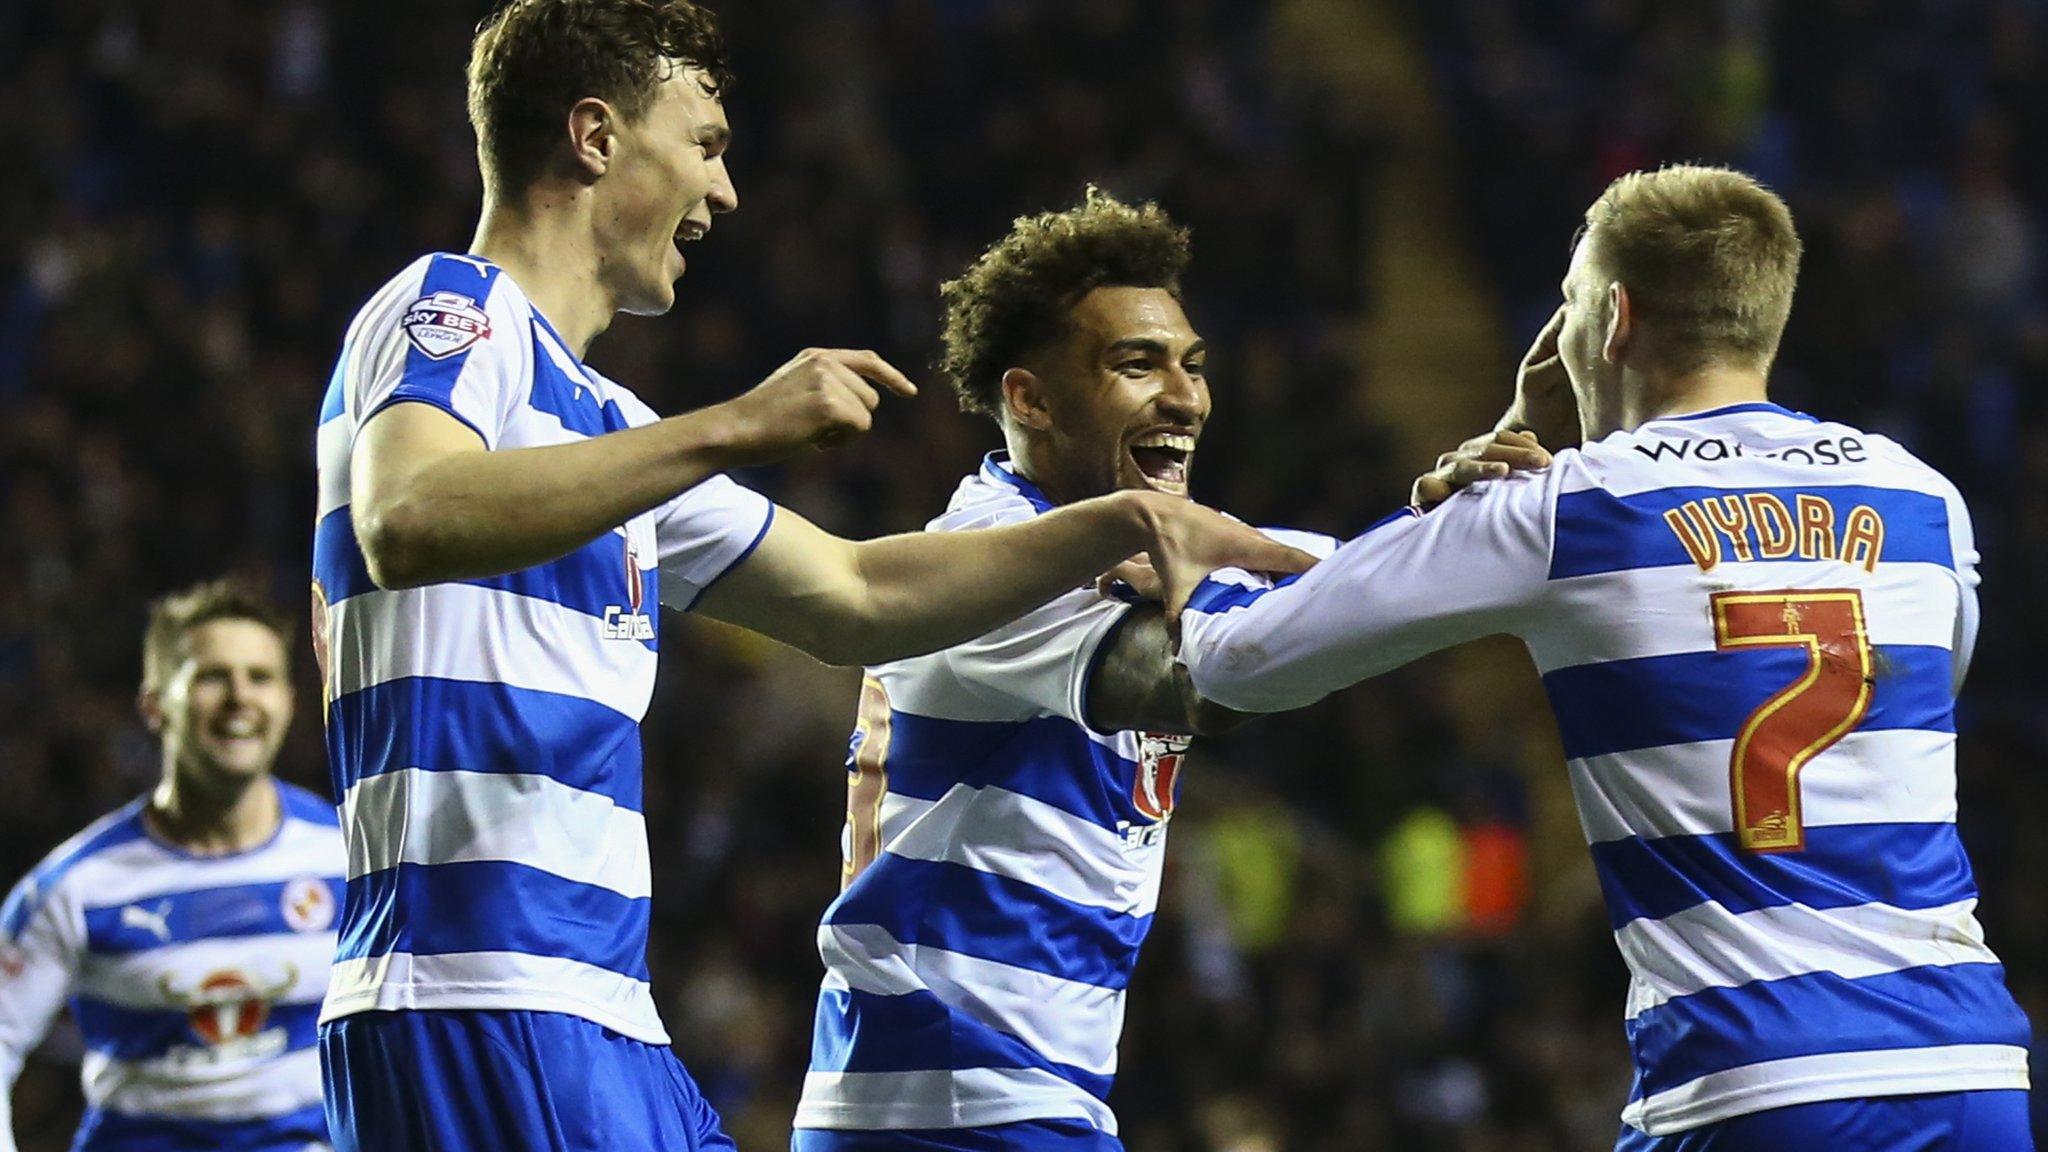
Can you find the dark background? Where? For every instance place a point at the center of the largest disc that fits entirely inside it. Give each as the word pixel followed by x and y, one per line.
pixel 1379 930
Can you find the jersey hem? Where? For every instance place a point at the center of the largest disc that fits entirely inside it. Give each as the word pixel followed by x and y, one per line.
pixel 835 1117
pixel 1823 1087
pixel 417 998
pixel 400 396
pixel 767 522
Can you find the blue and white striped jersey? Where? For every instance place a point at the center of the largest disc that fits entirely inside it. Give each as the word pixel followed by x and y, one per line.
pixel 1002 865
pixel 1751 626
pixel 484 735
pixel 194 980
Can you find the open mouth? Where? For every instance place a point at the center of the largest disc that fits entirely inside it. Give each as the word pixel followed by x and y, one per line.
pixel 1162 458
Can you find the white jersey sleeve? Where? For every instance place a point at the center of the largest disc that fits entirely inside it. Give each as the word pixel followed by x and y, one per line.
pixel 1408 586
pixel 1043 657
pixel 705 533
pixel 40 939
pixel 461 342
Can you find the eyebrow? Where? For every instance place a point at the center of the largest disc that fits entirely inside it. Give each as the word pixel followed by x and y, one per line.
pixel 1152 346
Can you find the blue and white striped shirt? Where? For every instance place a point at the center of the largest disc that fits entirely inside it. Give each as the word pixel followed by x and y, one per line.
pixel 195 981
pixel 484 735
pixel 1002 866
pixel 1751 626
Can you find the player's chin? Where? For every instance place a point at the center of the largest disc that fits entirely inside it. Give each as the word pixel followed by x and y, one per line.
pixel 654 298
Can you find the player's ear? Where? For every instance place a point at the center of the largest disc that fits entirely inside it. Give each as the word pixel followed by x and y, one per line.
pixel 1024 399
pixel 1620 324
pixel 149 704
pixel 593 135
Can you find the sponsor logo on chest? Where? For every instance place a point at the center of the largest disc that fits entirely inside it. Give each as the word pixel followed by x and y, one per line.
pixel 627 621
pixel 227 1011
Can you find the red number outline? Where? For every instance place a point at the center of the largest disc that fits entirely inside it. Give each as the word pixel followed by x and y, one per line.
pixel 1801 720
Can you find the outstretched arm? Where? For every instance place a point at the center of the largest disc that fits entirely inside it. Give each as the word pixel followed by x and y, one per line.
pixel 1411 585
pixel 872 601
pixel 1139 682
pixel 430 503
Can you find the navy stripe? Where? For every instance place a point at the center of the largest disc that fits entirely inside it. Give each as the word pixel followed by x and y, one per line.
pixel 589 580
pixel 105 1131
pixel 125 1033
pixel 1215 597
pixel 1842 865
pixel 338 565
pixel 1598 531
pixel 234 911
pixel 492 906
pixel 480 726
pixel 572 401
pixel 1655 701
pixel 1050 759
pixel 123 826
pixel 864 1032
pixel 960 909
pixel 1722 1028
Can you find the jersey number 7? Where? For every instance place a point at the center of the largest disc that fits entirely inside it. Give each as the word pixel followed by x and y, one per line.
pixel 1804 718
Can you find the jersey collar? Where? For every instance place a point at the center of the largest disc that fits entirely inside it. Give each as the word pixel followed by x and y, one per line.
pixel 1735 409
pixel 997 469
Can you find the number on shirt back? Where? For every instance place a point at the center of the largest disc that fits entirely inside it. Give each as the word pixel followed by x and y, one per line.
pixel 867 780
pixel 1804 718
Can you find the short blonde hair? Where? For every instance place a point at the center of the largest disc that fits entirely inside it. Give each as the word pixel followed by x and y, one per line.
pixel 172 619
pixel 1709 257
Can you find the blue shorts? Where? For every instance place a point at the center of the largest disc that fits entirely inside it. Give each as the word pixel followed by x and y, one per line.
pixel 1027 1136
pixel 1942 1122
pixel 448 1081
pixel 120 1132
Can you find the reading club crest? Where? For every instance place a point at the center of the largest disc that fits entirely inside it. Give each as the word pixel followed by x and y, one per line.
pixel 1159 758
pixel 445 323
pixel 307 904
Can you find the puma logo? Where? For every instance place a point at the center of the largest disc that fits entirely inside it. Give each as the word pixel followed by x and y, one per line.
pixel 156 922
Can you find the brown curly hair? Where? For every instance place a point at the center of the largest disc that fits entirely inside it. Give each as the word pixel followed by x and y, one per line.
pixel 1016 296
pixel 532 60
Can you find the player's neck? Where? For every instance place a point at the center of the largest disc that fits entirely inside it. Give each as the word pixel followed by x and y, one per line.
pixel 214 819
pixel 544 243
pixel 1647 398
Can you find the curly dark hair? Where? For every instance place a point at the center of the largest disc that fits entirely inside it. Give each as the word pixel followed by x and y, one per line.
pixel 173 617
pixel 532 60
pixel 1016 296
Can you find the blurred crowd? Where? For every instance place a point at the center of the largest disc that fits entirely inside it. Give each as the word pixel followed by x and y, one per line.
pixel 1364 943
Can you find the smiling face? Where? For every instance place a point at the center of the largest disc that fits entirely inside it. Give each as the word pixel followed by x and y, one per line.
pixel 223 709
pixel 665 181
pixel 1120 401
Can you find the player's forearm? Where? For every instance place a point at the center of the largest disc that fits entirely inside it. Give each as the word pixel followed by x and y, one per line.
pixel 921 592
pixel 471 514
